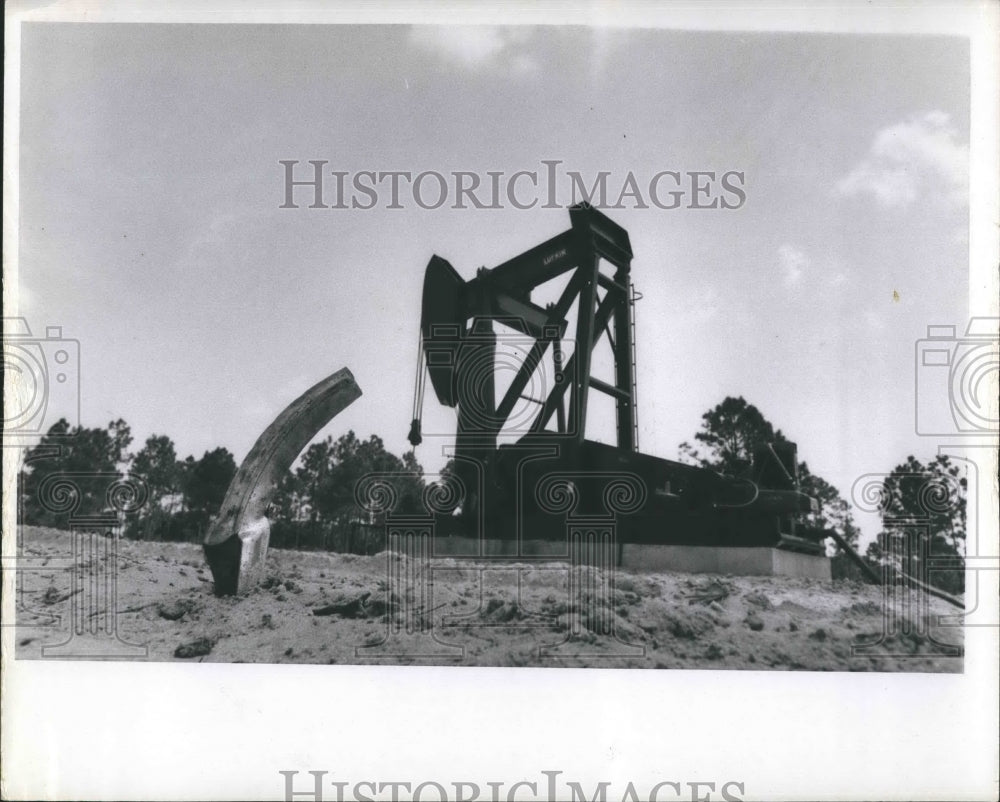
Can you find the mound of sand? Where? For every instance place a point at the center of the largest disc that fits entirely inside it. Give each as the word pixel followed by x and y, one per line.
pixel 336 608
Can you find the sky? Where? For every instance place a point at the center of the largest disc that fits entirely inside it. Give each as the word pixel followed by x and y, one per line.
pixel 151 227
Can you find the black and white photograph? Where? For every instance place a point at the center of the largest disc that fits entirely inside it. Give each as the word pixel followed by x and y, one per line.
pixel 408 373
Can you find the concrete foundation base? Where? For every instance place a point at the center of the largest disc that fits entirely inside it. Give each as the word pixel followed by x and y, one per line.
pixel 470 547
pixel 740 561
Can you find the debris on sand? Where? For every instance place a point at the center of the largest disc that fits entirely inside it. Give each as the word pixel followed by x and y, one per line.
pixel 690 627
pixel 54 596
pixel 713 652
pixel 377 607
pixel 351 606
pixel 758 599
pixel 712 592
pixel 500 611
pixel 754 621
pixel 175 610
pixel 195 648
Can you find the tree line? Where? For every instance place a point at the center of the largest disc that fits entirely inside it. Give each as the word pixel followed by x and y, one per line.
pixel 922 505
pixel 315 506
pixel 182 495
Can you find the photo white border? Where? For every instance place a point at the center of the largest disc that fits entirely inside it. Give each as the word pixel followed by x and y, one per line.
pixel 213 731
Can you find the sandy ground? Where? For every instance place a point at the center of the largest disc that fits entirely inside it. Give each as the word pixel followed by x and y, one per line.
pixel 334 608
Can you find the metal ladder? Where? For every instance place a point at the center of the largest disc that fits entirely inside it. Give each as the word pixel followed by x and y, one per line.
pixel 634 296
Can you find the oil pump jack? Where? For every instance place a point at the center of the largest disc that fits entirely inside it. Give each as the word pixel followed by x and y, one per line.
pixel 542 416
pixel 545 405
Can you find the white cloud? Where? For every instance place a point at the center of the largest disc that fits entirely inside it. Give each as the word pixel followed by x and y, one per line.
pixel 794 262
pixel 476 46
pixel 920 156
